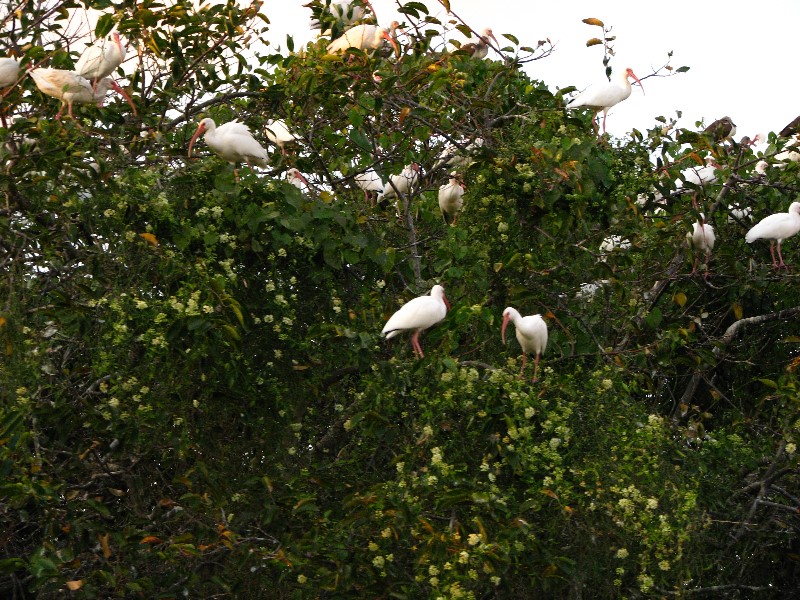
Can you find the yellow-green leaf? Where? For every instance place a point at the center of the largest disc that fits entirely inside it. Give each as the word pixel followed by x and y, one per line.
pixel 593 42
pixel 738 311
pixel 679 299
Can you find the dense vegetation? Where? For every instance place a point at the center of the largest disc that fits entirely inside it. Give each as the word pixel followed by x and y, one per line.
pixel 196 400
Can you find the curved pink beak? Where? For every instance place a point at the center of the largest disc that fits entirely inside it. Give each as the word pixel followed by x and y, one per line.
pixel 632 74
pixel 446 302
pixel 506 319
pixel 392 41
pixel 118 42
pixel 200 129
pixel 124 94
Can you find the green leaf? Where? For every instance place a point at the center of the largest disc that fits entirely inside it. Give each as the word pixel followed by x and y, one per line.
pixel 104 25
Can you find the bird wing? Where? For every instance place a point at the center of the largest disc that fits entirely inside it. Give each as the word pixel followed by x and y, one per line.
pixel 772 227
pixel 532 334
pixel 419 313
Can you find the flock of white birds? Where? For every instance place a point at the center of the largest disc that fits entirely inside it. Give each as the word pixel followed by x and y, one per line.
pixel 92 78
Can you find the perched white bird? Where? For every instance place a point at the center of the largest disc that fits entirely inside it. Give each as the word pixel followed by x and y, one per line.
pixel 296 178
pixel 70 88
pixel 479 47
pixel 699 176
pixel 531 334
pixel 776 228
pixel 9 71
pixel 451 199
pixel 101 58
pixel 279 134
pixel 345 13
pixel 701 239
pixel 587 291
pixel 232 141
pixel 370 182
pixel 603 97
pixel 416 315
pixel 364 37
pixel 454 158
pixel 402 183
pixel 612 243
pixel 737 213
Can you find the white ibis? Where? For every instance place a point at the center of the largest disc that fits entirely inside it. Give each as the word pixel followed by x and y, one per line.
pixel 69 87
pixel 343 11
pixel 9 71
pixel 296 178
pixel 101 58
pixel 776 228
pixel 232 141
pixel 603 97
pixel 479 48
pixel 699 176
pixel 721 129
pixel 531 334
pixel 279 134
pixel 614 242
pixel 363 37
pixel 416 315
pixel 453 158
pixel 370 182
pixel 451 199
pixel 402 183
pixel 701 239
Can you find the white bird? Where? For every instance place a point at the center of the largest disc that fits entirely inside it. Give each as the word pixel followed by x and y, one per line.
pixel 699 176
pixel 370 181
pixel 603 97
pixel 451 199
pixel 70 88
pixel 9 71
pixel 776 228
pixel 701 239
pixel 343 11
pixel 418 314
pixel 279 134
pixel 363 37
pixel 101 58
pixel 232 141
pixel 296 178
pixel 612 243
pixel 402 183
pixel 479 47
pixel 453 158
pixel 531 334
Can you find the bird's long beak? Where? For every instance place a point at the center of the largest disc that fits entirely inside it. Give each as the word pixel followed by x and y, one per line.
pixel 124 94
pixel 446 302
pixel 393 42
pixel 200 129
pixel 491 35
pixel 632 74
pixel 506 318
pixel 118 42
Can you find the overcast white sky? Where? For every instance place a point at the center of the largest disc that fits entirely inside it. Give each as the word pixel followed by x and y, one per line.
pixel 742 54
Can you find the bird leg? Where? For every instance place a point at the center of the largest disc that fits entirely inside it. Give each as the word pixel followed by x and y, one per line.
pixel 524 362
pixel 782 264
pixel 536 368
pixel 415 344
pixel 775 264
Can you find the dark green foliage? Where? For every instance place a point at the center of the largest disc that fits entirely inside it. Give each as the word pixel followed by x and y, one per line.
pixel 195 398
